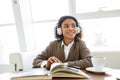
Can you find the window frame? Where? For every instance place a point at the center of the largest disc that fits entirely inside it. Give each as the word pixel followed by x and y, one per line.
pixel 98 14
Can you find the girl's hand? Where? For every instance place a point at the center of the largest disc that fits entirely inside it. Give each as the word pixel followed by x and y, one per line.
pixel 50 61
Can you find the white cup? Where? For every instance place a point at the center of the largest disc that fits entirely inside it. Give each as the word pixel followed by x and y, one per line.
pixel 98 63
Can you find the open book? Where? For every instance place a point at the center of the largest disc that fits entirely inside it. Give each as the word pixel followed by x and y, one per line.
pixel 60 70
pixel 56 70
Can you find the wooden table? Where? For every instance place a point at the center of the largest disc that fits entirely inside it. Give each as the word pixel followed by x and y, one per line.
pixel 109 76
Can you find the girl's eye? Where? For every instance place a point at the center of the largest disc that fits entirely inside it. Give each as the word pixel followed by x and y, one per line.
pixel 66 26
pixel 73 26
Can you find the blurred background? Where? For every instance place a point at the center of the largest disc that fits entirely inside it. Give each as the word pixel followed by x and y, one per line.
pixel 28 25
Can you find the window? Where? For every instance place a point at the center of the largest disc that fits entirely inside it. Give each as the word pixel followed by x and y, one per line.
pixel 98 28
pixel 90 9
pixel 48 9
pixel 100 20
pixel 8 42
pixel 85 6
pixel 8 34
pixel 6 12
pixel 45 14
pixel 102 34
pixel 43 35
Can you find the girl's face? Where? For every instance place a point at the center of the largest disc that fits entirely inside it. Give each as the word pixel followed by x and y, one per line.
pixel 69 29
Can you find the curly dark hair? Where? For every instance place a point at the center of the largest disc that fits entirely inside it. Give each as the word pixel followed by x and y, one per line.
pixel 61 20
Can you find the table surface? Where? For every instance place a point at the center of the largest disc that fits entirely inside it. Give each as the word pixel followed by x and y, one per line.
pixel 111 75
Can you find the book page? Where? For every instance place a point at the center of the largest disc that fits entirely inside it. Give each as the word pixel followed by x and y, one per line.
pixel 65 71
pixel 31 72
pixel 54 65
